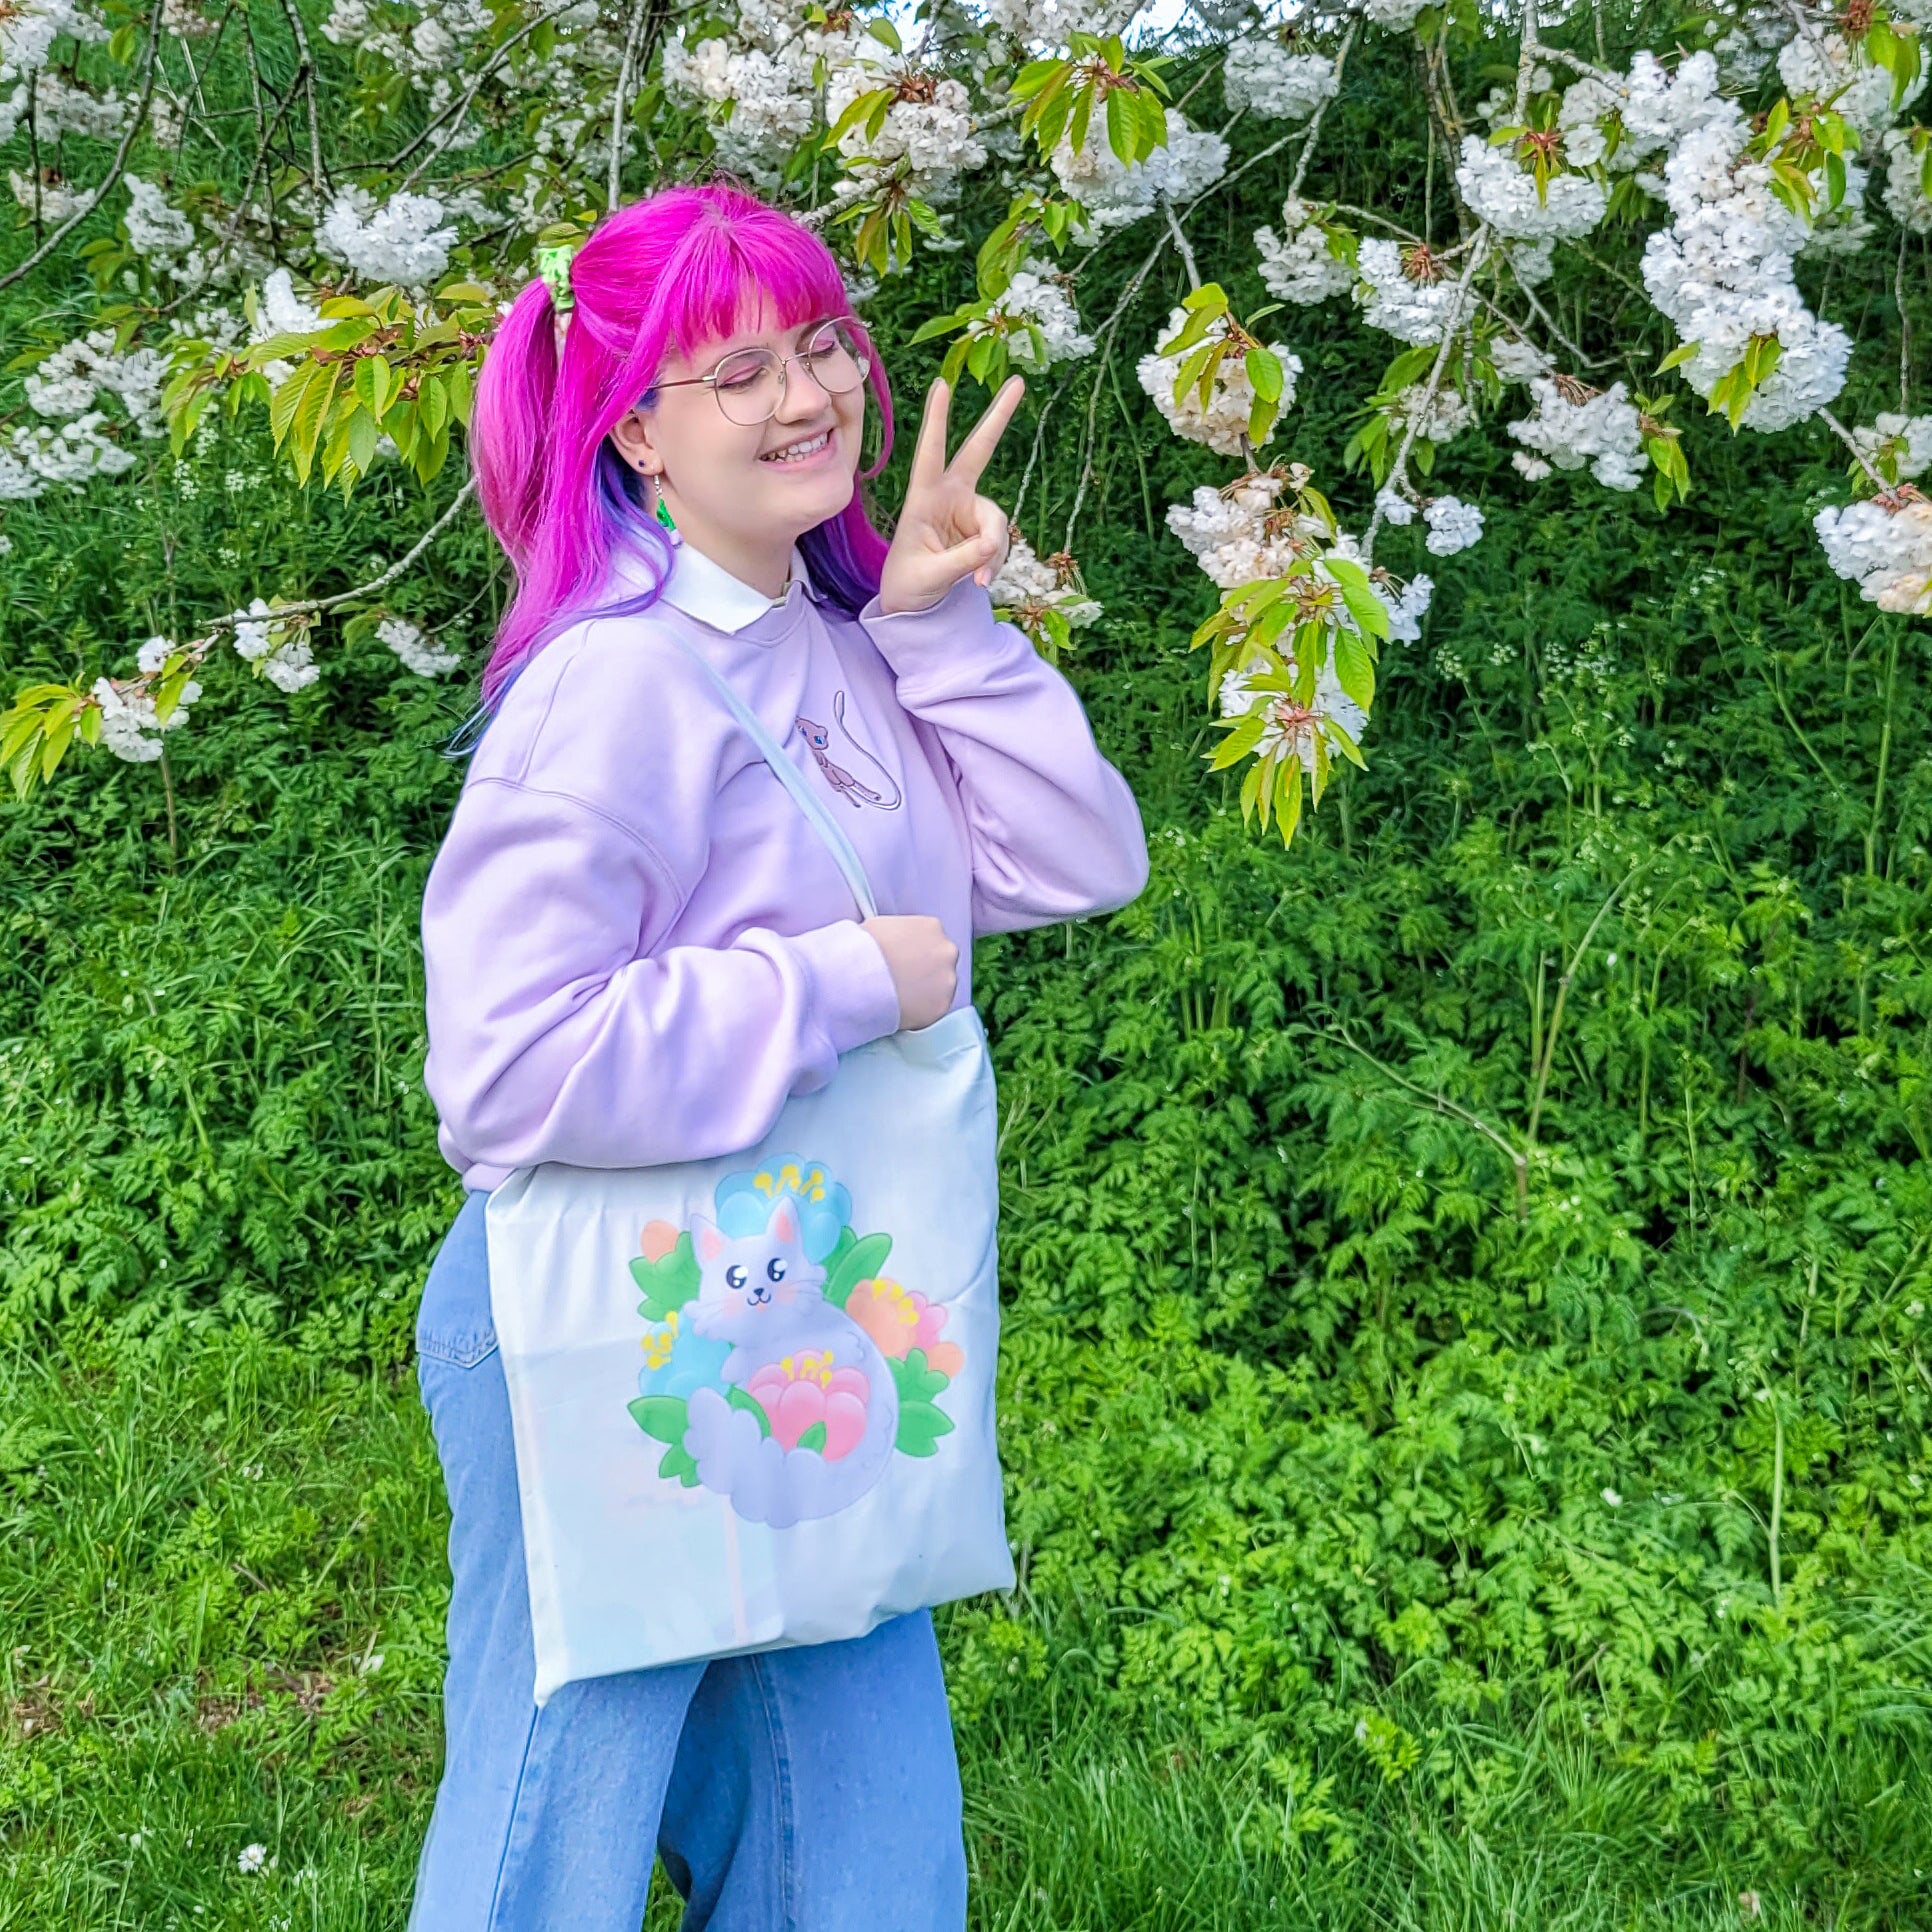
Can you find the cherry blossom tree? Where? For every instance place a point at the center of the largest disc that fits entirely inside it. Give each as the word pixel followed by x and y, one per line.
pixel 1700 180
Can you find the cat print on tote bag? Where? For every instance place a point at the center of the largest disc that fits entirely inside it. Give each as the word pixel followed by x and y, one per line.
pixel 783 1368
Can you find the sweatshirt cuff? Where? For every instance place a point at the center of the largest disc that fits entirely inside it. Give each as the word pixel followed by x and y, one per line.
pixel 958 634
pixel 853 993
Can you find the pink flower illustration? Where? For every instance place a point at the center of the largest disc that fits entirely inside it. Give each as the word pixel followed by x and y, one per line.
pixel 902 1319
pixel 804 1389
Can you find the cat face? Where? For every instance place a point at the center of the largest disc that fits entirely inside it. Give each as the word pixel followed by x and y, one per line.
pixel 750 1275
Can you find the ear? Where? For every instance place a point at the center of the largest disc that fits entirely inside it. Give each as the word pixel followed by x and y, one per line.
pixel 636 440
pixel 784 1220
pixel 706 1239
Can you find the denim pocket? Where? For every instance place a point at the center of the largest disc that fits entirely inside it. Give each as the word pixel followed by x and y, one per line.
pixel 453 1324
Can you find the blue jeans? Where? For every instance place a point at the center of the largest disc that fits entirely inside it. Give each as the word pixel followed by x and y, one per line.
pixel 813 1789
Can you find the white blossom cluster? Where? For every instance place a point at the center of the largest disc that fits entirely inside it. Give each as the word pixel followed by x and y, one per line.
pixel 1223 422
pixel 1438 419
pixel 1036 298
pixel 56 200
pixel 1299 265
pixel 929 128
pixel 37 456
pixel 1265 78
pixel 286 661
pixel 130 728
pixel 1413 311
pixel 1396 15
pixel 67 382
pixel 1885 547
pixel 415 650
pixel 763 78
pixel 1906 439
pixel 1722 272
pixel 1115 192
pixel 1904 192
pixel 1292 728
pixel 1502 192
pixel 404 240
pixel 1238 536
pixel 1406 607
pixel 1652 108
pixel 1826 64
pixel 1050 23
pixel 1028 583
pixel 28 30
pixel 1603 430
pixel 1453 525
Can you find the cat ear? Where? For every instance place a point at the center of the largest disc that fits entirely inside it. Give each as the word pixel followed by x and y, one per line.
pixel 706 1239
pixel 784 1220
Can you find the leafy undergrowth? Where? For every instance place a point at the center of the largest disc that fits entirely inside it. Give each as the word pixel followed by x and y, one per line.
pixel 221 1628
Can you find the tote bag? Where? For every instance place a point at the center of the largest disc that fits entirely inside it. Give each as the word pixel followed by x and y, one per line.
pixel 752 1397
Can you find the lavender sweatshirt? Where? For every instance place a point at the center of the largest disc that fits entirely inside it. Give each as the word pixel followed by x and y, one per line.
pixel 637 946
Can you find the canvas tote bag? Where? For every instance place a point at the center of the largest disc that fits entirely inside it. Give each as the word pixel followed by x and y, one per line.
pixel 752 1397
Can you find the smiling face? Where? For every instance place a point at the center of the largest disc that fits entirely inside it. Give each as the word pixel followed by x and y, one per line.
pixel 745 493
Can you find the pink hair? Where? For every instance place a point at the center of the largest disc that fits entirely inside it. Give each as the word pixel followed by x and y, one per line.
pixel 669 274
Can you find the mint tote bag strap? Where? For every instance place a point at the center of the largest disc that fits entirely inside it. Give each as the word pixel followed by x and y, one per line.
pixel 794 782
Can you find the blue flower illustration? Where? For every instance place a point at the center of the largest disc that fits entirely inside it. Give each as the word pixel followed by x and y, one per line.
pixel 676 1361
pixel 745 1201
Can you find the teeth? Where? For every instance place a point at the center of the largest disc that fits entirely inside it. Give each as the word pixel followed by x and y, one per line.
pixel 792 451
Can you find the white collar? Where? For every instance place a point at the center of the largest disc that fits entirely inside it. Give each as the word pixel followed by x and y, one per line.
pixel 707 591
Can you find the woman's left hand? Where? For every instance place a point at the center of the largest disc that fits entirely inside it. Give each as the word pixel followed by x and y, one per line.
pixel 947 528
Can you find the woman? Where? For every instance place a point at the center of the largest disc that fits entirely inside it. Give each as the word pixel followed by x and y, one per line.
pixel 636 951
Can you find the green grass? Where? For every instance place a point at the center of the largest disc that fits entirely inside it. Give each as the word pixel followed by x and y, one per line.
pixel 220 1625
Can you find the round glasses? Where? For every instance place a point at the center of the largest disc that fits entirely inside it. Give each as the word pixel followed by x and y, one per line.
pixel 749 384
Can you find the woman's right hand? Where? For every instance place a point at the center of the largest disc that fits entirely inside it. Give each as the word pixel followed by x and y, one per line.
pixel 924 962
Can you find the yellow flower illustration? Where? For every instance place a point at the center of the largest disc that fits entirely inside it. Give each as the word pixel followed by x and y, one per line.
pixel 659 1343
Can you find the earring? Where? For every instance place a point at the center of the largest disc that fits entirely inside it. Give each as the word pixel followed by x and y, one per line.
pixel 663 510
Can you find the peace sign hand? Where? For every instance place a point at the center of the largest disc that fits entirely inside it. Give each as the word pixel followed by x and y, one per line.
pixel 947 528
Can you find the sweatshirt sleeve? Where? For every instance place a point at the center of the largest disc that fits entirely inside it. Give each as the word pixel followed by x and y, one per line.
pixel 1056 832
pixel 552 1037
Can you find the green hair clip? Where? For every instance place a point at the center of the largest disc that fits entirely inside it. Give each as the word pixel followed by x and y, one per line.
pixel 553 264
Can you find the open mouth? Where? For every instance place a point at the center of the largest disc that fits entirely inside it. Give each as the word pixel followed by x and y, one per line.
pixel 802 451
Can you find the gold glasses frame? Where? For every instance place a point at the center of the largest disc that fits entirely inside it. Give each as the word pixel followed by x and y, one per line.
pixel 862 356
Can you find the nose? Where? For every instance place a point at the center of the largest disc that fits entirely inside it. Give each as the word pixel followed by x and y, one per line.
pixel 804 396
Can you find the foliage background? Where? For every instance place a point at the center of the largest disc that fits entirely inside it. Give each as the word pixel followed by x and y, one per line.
pixel 1390 1555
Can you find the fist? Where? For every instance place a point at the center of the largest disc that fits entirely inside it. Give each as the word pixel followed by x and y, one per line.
pixel 924 963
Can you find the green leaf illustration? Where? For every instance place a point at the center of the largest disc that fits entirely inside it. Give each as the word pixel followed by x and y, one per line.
pixel 743 1399
pixel 669 1281
pixel 678 1466
pixel 661 1417
pixel 861 1262
pixel 813 1438
pixel 920 1427
pixel 918 1382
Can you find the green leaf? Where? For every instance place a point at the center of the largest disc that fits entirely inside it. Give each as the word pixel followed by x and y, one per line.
pixel 862 1261
pixel 812 1438
pixel 915 1380
pixel 678 1465
pixel 1243 735
pixel 920 1428
pixel 1371 615
pixel 1354 668
pixel 742 1399
pixel 668 1282
pixel 661 1417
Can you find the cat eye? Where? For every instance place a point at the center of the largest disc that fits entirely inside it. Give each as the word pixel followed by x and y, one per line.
pixel 775 1268
pixel 735 1275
